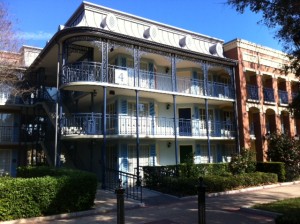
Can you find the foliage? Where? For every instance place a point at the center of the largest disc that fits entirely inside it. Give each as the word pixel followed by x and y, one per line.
pixel 272 167
pixel 284 149
pixel 8 37
pixel 57 191
pixel 182 186
pixel 243 162
pixel 288 207
pixel 284 15
pixel 12 79
pixel 154 174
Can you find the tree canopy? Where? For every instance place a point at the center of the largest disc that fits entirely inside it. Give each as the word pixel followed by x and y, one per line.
pixel 284 16
pixel 11 69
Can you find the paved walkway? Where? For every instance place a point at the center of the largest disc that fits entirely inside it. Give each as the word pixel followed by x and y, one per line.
pixel 226 207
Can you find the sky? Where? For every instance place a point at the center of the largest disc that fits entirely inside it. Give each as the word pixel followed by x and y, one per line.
pixel 36 21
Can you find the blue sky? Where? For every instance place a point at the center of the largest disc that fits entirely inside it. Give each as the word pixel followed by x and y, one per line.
pixel 38 20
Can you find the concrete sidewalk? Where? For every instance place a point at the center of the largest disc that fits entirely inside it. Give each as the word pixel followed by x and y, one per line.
pixel 159 208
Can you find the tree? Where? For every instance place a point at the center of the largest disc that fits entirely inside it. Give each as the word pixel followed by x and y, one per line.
pixel 284 15
pixel 11 72
pixel 284 149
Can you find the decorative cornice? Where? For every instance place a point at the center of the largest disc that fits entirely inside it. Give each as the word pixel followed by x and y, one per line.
pixel 91 15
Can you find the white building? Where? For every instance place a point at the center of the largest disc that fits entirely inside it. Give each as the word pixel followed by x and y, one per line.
pixel 134 92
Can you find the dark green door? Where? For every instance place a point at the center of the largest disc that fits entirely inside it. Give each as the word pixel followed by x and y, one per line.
pixel 186 151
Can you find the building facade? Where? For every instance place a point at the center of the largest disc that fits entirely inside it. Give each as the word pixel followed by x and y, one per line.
pixel 263 94
pixel 15 110
pixel 122 92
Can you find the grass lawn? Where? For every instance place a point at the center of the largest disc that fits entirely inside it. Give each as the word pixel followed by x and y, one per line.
pixel 290 208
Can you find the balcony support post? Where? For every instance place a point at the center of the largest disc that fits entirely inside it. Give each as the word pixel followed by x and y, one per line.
pixel 138 181
pixel 173 72
pixel 136 59
pixel 103 151
pixel 57 111
pixel 207 131
pixel 104 138
pixel 175 130
pixel 205 77
pixel 104 67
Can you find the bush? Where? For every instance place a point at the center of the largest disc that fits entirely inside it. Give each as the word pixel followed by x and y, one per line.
pixel 182 186
pixel 284 149
pixel 61 191
pixel 272 167
pixel 243 162
pixel 288 219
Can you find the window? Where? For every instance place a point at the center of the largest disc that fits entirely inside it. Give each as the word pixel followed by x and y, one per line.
pixel 111 113
pixel 144 158
pixel 6 119
pixel 143 109
pixel 204 158
pixel 5 159
pixel 202 114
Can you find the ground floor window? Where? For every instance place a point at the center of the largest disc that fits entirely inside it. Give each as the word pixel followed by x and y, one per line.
pixel 204 157
pixel 144 158
pixel 228 151
pixel 5 161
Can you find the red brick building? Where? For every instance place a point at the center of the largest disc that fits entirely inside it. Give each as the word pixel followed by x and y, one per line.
pixel 263 94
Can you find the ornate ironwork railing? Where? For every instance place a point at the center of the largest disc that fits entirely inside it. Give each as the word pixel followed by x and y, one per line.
pixel 252 92
pixel 269 95
pixel 129 182
pixel 283 97
pixel 91 72
pixel 91 124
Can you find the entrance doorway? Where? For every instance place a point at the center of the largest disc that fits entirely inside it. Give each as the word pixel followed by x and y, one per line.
pixel 186 151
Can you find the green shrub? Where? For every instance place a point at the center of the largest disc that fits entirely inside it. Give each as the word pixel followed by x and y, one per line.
pixel 243 162
pixel 60 191
pixel 154 174
pixel 272 167
pixel 181 186
pixel 283 148
pixel 288 219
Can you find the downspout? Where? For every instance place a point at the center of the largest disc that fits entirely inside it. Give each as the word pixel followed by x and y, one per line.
pixel 237 136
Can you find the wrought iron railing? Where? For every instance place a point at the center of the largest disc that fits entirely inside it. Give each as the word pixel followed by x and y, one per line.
pixel 283 97
pixel 219 90
pixel 269 95
pixel 91 72
pixel 252 92
pixel 130 182
pixel 91 124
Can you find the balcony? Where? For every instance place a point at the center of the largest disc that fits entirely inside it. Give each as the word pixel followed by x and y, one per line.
pixel 6 98
pixel 269 95
pixel 9 134
pixel 252 92
pixel 283 97
pixel 294 95
pixel 123 125
pixel 124 76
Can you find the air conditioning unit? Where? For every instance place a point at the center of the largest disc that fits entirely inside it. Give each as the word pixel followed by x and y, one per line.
pixel 121 76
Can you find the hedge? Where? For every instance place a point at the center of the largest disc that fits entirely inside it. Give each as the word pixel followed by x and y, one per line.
pixel 182 186
pixel 272 167
pixel 63 191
